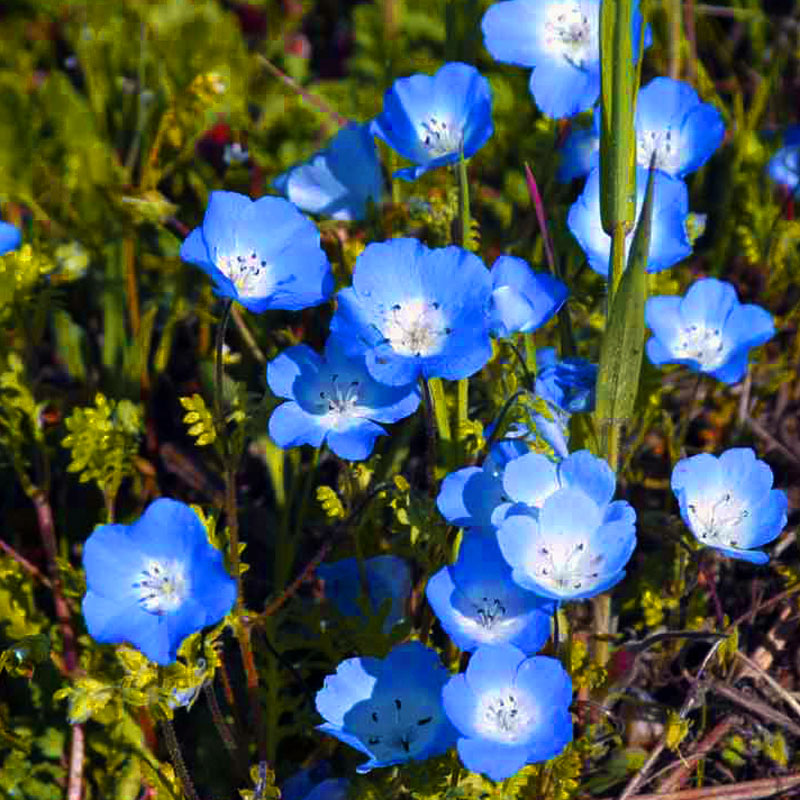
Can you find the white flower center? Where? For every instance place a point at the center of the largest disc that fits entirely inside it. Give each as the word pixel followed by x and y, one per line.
pixel 571 32
pixel 716 522
pixel 440 136
pixel 249 273
pixel 489 619
pixel 503 716
pixel 663 144
pixel 701 344
pixel 162 586
pixel 341 399
pixel 416 328
pixel 567 566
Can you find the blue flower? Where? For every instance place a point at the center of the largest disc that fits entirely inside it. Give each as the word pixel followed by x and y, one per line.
pixel 708 330
pixel 315 783
pixel 431 120
pixel 728 503
pixel 522 300
pixel 469 497
pixel 477 602
pixel 10 237
pixel 510 710
pixel 577 154
pixel 265 254
pixel 389 709
pixel 669 242
pixel 574 542
pixel 567 384
pixel 672 122
pixel 561 41
pixel 386 577
pixel 155 582
pixel 338 181
pixel 333 399
pixel 416 312
pixel 784 166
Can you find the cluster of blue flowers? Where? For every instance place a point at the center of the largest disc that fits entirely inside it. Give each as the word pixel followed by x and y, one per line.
pixel 538 530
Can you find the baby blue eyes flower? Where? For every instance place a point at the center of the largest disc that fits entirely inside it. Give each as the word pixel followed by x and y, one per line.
pixel 477 602
pixel 567 384
pixel 784 166
pixel 154 582
pixel 338 181
pixel 522 300
pixel 574 542
pixel 389 709
pixel 431 120
pixel 263 253
pixel 386 578
pixel 415 312
pixel 560 39
pixel 674 124
pixel 728 503
pixel 708 330
pixel 469 497
pixel 10 238
pixel 333 399
pixel 669 242
pixel 510 710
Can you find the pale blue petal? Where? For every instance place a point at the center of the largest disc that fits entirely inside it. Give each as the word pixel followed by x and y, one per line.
pixel 353 682
pixel 356 442
pixel 531 479
pixel 592 475
pixel 290 426
pixel 493 667
pixel 493 759
pixel 708 302
pixel 286 369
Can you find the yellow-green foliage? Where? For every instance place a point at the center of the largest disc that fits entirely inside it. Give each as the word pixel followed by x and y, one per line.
pixel 264 788
pixel 585 672
pixel 20 416
pixel 103 441
pixel 20 271
pixel 330 503
pixel 199 419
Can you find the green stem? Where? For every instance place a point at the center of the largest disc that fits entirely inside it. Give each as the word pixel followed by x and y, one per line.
pixel 462 417
pixel 218 376
pixel 617 265
pixel 463 203
pixel 439 409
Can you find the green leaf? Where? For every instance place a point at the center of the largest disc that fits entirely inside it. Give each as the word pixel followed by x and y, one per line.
pixel 617 143
pixel 623 343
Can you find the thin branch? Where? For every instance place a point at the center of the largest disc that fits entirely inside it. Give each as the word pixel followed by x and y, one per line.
pixel 747 790
pixel 32 569
pixel 757 707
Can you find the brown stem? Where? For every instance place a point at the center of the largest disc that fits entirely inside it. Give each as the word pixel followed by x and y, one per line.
pixel 747 790
pixel 306 575
pixel 176 756
pixel 683 769
pixel 44 517
pixel 32 569
pixel 224 730
pixel 76 751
